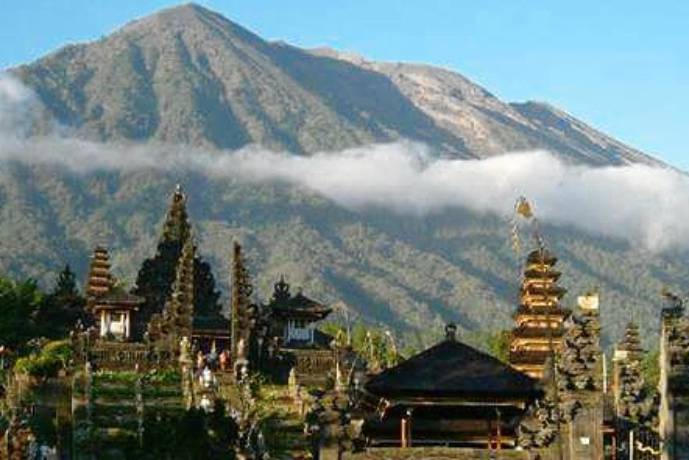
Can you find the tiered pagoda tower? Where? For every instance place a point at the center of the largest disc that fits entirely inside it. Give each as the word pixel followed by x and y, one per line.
pixel 631 342
pixel 240 308
pixel 180 308
pixel 633 400
pixel 627 352
pixel 176 227
pixel 539 318
pixel 100 280
pixel 176 320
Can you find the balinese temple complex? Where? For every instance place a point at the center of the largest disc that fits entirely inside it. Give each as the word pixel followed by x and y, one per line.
pixel 550 400
pixel 280 338
pixel 539 319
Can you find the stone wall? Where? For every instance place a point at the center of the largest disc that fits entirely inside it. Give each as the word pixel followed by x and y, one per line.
pixel 436 453
pixel 583 436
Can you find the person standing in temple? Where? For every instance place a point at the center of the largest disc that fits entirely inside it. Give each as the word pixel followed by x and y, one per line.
pixel 224 357
pixel 213 358
pixel 200 362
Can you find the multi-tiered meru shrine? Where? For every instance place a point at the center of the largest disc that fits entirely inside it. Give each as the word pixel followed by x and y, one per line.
pixel 175 297
pixel 539 318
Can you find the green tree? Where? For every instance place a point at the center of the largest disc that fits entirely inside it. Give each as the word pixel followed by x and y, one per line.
pixel 20 303
pixel 63 306
pixel 377 346
pixel 499 345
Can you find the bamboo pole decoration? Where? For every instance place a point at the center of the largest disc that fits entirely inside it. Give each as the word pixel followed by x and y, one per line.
pixel 403 432
pixel 631 444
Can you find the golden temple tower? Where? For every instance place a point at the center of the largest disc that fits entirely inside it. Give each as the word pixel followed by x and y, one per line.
pixel 99 280
pixel 539 319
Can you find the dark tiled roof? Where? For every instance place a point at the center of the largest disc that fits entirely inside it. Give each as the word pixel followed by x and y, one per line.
pixel 527 332
pixel 285 304
pixel 452 368
pixel 555 312
pixel 556 291
pixel 298 302
pixel 546 257
pixel 529 356
pixel 118 296
pixel 549 274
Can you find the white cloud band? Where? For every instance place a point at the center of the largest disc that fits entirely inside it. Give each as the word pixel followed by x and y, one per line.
pixel 645 205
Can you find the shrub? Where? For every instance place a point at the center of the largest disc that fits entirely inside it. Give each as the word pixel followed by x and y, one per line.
pixel 116 377
pixel 38 366
pixel 59 349
pixel 165 377
pixel 52 357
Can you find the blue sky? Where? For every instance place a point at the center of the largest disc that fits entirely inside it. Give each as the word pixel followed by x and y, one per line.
pixel 622 66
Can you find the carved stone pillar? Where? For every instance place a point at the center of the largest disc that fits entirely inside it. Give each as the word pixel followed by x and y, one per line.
pixel 674 386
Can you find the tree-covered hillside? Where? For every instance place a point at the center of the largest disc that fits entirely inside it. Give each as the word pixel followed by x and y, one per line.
pixel 412 274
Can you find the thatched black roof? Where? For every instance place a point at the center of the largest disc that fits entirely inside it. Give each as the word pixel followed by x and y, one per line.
pixel 453 369
pixel 117 298
pixel 542 256
pixel 285 305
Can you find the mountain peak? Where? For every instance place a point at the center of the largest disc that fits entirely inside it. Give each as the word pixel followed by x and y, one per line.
pixel 189 11
pixel 189 17
pixel 188 75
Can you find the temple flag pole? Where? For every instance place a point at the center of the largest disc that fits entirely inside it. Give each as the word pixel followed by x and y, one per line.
pixel 403 432
pixel 605 374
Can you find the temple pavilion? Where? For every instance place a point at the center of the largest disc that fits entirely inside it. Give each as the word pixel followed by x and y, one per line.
pixel 114 313
pixel 293 319
pixel 450 395
pixel 111 307
pixel 539 319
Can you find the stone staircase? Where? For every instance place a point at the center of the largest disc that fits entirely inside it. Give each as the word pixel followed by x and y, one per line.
pixel 110 417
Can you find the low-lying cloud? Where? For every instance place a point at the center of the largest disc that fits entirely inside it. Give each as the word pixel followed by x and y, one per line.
pixel 644 205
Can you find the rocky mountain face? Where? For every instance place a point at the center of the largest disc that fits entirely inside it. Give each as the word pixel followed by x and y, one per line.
pixel 488 126
pixel 189 76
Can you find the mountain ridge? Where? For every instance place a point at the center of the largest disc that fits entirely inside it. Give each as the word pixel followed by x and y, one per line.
pixel 189 75
pixel 523 113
